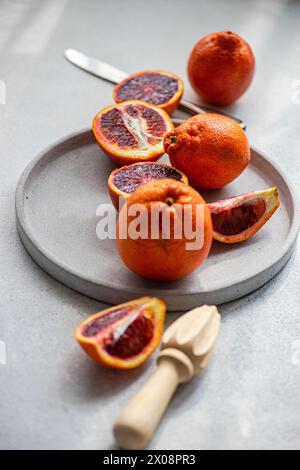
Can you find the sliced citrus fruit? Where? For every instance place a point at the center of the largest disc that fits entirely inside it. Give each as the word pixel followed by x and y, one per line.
pixel 161 88
pixel 123 336
pixel 239 218
pixel 122 182
pixel 132 131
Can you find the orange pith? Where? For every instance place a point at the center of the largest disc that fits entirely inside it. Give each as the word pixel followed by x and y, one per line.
pixel 123 336
pixel 163 171
pixel 212 150
pixel 163 89
pixel 221 67
pixel 156 256
pixel 239 218
pixel 132 131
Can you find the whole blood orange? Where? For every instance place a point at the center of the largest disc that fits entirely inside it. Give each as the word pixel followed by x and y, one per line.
pixel 239 218
pixel 163 89
pixel 160 251
pixel 124 336
pixel 123 181
pixel 221 67
pixel 132 131
pixel 212 150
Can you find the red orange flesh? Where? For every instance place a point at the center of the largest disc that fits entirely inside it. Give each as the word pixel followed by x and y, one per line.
pixel 123 181
pixel 123 336
pixel 239 218
pixel 132 131
pixel 163 89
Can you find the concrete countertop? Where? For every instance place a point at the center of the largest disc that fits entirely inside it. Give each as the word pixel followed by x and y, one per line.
pixel 52 396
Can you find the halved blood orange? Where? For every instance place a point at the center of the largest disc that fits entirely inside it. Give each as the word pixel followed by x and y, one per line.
pixel 124 336
pixel 157 87
pixel 132 131
pixel 122 182
pixel 239 218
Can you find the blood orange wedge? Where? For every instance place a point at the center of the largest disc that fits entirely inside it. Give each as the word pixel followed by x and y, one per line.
pixel 124 336
pixel 239 218
pixel 132 131
pixel 122 182
pixel 163 89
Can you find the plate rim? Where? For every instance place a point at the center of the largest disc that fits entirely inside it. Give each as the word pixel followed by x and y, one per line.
pixel 24 229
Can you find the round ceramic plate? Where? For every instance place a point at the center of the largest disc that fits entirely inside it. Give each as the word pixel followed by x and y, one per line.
pixel 56 203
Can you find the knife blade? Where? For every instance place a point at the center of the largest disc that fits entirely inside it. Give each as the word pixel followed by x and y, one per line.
pixel 112 74
pixel 95 66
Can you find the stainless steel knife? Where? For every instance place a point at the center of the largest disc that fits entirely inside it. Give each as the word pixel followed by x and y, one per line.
pixel 114 75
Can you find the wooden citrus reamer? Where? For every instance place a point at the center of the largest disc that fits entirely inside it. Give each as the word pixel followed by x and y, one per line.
pixel 187 347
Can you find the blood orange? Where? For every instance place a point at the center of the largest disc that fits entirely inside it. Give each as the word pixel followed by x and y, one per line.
pixel 124 336
pixel 212 150
pixel 132 131
pixel 221 67
pixel 122 182
pixel 239 218
pixel 163 89
pixel 168 249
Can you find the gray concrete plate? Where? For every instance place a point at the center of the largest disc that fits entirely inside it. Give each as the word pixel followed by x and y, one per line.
pixel 56 202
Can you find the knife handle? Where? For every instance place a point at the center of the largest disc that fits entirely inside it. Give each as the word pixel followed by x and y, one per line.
pixel 193 109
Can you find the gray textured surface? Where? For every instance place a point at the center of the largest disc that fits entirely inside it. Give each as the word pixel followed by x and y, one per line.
pixel 52 396
pixel 56 206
